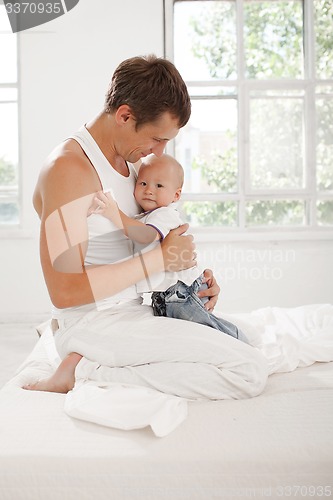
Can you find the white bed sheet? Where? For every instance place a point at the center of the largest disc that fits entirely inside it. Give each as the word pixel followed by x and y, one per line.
pixel 228 449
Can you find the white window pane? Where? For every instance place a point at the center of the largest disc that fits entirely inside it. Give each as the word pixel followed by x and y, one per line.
pixel 273 39
pixel 212 91
pixel 275 213
pixel 324 151
pixel 8 94
pixel 205 39
pixel 323 37
pixel 275 140
pixel 9 206
pixel 325 213
pixel 259 92
pixel 8 58
pixel 4 21
pixel 276 143
pixel 9 212
pixel 8 144
pixel 206 147
pixel 210 213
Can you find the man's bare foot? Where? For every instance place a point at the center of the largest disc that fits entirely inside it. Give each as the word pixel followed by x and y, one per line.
pixel 63 378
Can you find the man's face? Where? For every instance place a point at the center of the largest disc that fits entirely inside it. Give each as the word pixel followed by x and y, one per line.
pixel 149 138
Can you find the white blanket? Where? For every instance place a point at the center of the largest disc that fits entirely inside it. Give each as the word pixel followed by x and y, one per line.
pixel 288 338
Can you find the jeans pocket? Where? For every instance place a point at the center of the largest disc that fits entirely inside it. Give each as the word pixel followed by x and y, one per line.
pixel 158 303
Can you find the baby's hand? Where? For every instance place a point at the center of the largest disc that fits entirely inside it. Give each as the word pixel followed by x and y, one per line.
pixel 103 204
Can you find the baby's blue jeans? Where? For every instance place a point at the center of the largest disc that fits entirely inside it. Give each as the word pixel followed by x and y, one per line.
pixel 181 301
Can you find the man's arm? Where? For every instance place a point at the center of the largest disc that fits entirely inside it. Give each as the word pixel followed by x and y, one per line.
pixel 106 205
pixel 67 188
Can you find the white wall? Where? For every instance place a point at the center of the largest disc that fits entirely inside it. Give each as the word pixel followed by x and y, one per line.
pixel 65 68
pixel 270 273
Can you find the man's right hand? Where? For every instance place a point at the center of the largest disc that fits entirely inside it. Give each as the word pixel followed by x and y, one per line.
pixel 178 250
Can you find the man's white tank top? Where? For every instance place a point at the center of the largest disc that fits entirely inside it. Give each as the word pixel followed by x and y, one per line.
pixel 107 244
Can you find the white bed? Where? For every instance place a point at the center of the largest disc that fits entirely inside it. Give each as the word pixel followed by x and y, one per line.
pixel 277 445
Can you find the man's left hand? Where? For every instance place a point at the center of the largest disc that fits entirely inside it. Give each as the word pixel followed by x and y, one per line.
pixel 212 292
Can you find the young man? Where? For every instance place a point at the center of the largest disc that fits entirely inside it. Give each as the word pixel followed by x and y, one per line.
pixel 97 313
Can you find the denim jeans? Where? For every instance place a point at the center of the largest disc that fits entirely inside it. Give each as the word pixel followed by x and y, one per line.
pixel 182 302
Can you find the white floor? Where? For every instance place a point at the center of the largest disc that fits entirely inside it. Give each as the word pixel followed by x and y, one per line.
pixel 16 342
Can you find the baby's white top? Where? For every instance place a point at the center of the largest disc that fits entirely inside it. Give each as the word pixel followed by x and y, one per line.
pixel 163 219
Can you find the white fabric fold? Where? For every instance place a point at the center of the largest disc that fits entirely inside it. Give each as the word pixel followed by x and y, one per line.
pixel 125 406
pixel 287 337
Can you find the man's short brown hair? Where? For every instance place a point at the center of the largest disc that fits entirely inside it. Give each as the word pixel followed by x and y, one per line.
pixel 150 86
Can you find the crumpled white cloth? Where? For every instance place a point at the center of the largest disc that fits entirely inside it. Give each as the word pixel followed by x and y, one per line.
pixel 122 406
pixel 287 337
pixel 125 406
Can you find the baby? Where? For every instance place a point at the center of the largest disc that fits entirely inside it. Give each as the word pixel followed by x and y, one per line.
pixel 158 188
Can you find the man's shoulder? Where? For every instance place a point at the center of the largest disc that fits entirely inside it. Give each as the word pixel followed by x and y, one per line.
pixel 67 163
pixel 65 154
pixel 67 175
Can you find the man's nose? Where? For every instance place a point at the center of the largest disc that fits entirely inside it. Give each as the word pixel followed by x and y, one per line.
pixel 158 150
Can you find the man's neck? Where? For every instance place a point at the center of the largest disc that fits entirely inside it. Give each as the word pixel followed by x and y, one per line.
pixel 102 129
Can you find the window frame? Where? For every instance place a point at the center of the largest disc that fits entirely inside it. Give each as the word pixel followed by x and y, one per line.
pixel 310 230
pixel 14 229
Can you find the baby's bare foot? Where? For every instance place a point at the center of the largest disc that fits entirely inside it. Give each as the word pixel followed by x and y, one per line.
pixel 62 380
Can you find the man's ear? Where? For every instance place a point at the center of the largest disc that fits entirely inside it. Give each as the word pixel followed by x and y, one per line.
pixel 177 194
pixel 123 114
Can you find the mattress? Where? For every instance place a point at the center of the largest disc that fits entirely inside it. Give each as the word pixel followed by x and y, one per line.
pixel 278 444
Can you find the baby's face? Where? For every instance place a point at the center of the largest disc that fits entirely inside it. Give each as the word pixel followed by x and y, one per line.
pixel 156 187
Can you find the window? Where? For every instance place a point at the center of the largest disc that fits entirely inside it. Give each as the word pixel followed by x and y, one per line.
pixel 9 172
pixel 258 150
